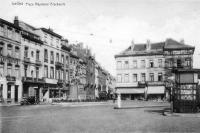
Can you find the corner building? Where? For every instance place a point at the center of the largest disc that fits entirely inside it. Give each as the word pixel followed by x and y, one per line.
pixel 10 62
pixel 142 69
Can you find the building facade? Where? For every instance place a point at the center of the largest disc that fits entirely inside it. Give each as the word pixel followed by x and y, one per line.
pixel 39 62
pixel 142 69
pixel 10 62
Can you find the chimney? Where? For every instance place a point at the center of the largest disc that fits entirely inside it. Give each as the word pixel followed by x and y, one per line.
pixel 132 45
pixel 182 41
pixel 148 45
pixel 16 21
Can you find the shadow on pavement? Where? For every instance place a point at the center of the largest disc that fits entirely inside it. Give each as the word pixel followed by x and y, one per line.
pixel 158 111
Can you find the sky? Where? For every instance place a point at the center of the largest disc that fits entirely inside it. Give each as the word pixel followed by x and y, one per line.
pixel 107 27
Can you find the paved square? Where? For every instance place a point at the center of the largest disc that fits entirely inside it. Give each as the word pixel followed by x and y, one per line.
pixel 94 119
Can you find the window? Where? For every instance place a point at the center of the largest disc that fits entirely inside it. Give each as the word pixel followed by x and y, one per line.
pixel 46 55
pixel 46 71
pixel 151 64
pixel 61 75
pixel 160 77
pixel 1 29
pixel 9 32
pixel 119 78
pixel 56 74
pixel 119 65
pixel 1 50
pixel 151 76
pixel 135 64
pixel 17 72
pixel 159 62
pixel 57 57
pixel 135 78
pixel 32 54
pixel 52 72
pixel 38 55
pixel 17 51
pixel 143 77
pixel 32 73
pixel 37 72
pixel 179 63
pixel 9 70
pixel 62 59
pixel 52 57
pixel 67 60
pixel 67 74
pixel 142 63
pixel 188 62
pixel 1 70
pixel 9 92
pixel 126 65
pixel 9 49
pixel 126 78
pixel 26 52
pixel 25 70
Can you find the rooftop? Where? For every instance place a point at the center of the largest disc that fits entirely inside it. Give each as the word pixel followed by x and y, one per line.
pixel 153 48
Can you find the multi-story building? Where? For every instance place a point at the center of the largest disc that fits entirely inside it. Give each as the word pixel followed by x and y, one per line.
pixel 74 75
pixel 10 63
pixel 32 60
pixel 143 68
pixel 53 72
pixel 66 55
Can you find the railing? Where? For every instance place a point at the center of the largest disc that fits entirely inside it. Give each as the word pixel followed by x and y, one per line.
pixel 26 59
pixel 59 64
pixel 38 62
pixel 31 79
pixel 155 83
pixel 11 78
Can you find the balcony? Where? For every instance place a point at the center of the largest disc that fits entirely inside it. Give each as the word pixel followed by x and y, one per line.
pixel 11 78
pixel 38 62
pixel 59 64
pixel 155 83
pixel 32 80
pixel 142 83
pixel 46 60
pixel 27 60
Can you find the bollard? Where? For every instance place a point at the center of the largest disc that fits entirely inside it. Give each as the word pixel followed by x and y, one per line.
pixel 119 100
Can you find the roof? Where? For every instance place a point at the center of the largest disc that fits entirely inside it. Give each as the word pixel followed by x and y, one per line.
pixel 9 24
pixel 51 32
pixel 172 44
pixel 153 49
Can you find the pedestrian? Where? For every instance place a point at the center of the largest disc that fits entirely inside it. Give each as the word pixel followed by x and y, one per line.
pixel 113 98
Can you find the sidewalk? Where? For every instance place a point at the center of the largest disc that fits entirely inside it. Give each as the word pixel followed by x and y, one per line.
pixel 78 104
pixel 8 104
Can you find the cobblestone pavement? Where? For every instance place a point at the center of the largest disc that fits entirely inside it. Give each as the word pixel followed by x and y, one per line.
pixel 135 116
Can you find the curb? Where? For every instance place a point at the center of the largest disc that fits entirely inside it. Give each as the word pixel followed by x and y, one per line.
pixel 194 115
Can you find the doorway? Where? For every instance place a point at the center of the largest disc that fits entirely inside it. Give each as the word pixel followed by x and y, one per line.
pixel 16 93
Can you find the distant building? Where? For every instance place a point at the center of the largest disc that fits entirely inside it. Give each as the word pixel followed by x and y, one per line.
pixel 142 69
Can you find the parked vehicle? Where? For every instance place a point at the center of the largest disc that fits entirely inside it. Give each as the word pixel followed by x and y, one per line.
pixel 29 100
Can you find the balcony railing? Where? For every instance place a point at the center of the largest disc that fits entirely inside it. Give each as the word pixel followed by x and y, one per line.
pixel 26 59
pixel 33 80
pixel 59 64
pixel 11 78
pixel 38 62
pixel 155 83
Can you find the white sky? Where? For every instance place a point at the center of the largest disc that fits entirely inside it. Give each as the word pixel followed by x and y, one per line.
pixel 97 22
